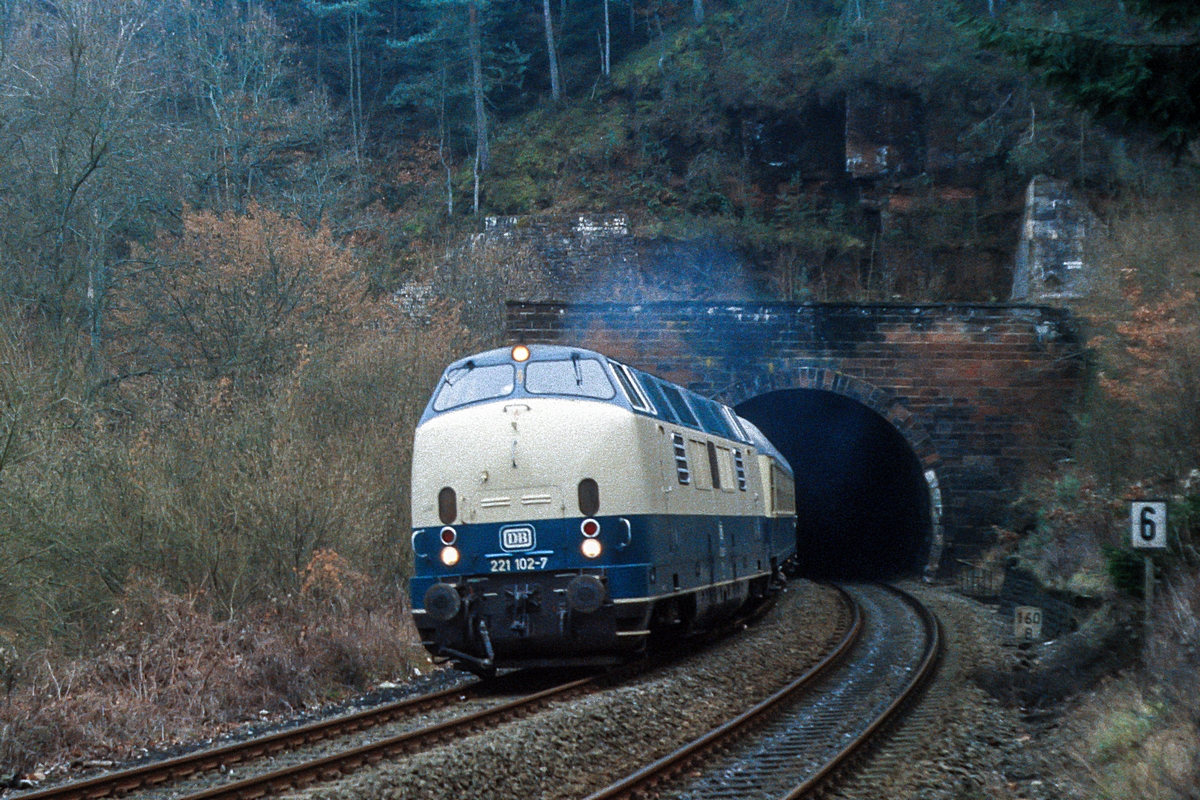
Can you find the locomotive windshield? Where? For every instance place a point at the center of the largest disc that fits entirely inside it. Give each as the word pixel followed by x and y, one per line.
pixel 469 383
pixel 576 376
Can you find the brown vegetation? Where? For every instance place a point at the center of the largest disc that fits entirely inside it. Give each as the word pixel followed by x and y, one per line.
pixel 167 671
pixel 1139 438
pixel 189 552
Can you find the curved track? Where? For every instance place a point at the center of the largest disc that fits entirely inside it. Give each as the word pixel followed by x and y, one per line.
pixel 790 744
pixel 302 770
pixel 782 748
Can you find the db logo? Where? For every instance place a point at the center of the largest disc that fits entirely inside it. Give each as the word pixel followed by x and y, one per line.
pixel 517 537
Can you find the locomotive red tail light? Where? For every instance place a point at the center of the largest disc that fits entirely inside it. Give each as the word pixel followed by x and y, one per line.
pixel 590 528
pixel 449 536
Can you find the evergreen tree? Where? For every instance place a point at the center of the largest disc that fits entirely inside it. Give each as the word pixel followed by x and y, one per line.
pixel 1140 67
pixel 449 68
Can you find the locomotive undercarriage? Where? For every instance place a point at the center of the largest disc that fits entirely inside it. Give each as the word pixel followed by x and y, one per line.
pixel 535 619
pixel 564 619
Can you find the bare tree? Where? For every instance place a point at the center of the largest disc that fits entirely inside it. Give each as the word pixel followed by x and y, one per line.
pixel 352 12
pixel 607 60
pixel 482 155
pixel 555 90
pixel 254 130
pixel 82 152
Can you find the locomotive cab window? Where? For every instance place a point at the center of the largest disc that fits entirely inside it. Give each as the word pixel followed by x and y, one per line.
pixel 656 397
pixel 468 383
pixel 734 425
pixel 575 376
pixel 711 418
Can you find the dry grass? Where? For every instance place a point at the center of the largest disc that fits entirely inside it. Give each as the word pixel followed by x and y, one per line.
pixel 1129 741
pixel 168 671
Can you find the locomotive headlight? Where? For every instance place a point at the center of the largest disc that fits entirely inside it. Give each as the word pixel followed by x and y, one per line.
pixel 591 548
pixel 450 556
pixel 520 353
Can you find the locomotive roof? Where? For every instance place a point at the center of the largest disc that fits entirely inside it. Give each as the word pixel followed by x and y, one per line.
pixel 635 390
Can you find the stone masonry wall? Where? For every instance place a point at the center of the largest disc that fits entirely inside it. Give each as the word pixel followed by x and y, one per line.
pixel 982 393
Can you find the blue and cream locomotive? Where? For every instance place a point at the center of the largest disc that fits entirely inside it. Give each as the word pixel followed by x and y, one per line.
pixel 566 507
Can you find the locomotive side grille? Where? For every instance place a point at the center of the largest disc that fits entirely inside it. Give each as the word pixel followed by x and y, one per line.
pixel 495 502
pixel 527 503
pixel 681 462
pixel 739 467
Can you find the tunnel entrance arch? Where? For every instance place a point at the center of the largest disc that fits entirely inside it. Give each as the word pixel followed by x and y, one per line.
pixel 869 505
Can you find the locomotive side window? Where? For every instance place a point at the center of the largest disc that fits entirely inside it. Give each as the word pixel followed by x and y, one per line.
pixel 575 376
pixel 734 425
pixel 680 407
pixel 589 497
pixel 633 392
pixel 713 467
pixel 698 455
pixel 681 459
pixel 469 384
pixel 785 491
pixel 447 506
pixel 656 397
pixel 711 418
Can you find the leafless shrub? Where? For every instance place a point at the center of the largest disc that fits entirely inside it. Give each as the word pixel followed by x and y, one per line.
pixel 168 670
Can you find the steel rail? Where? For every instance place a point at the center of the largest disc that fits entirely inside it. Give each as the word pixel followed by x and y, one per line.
pixel 180 767
pixel 668 767
pixel 673 763
pixel 334 766
pixel 929 660
pixel 163 772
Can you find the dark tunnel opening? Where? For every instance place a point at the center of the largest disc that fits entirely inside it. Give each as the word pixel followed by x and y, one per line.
pixel 862 502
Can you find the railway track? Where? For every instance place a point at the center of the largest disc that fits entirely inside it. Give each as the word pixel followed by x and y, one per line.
pixel 790 745
pixel 734 774
pixel 254 755
pixel 224 759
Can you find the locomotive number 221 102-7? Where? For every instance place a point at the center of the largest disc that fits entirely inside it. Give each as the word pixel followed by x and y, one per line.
pixel 519 564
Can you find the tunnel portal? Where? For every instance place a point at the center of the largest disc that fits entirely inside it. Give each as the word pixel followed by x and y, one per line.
pixel 862 502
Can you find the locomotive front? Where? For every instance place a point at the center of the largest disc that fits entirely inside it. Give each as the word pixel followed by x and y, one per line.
pixel 527 488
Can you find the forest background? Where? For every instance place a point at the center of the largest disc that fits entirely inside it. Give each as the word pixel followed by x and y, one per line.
pixel 207 208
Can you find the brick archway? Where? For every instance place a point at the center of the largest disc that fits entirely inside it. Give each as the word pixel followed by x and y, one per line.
pixel 882 402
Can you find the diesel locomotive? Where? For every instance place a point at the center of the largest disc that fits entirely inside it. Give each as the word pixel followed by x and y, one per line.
pixel 567 508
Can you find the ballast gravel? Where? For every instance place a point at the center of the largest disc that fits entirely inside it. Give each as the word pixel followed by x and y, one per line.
pixel 960 743
pixel 577 747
